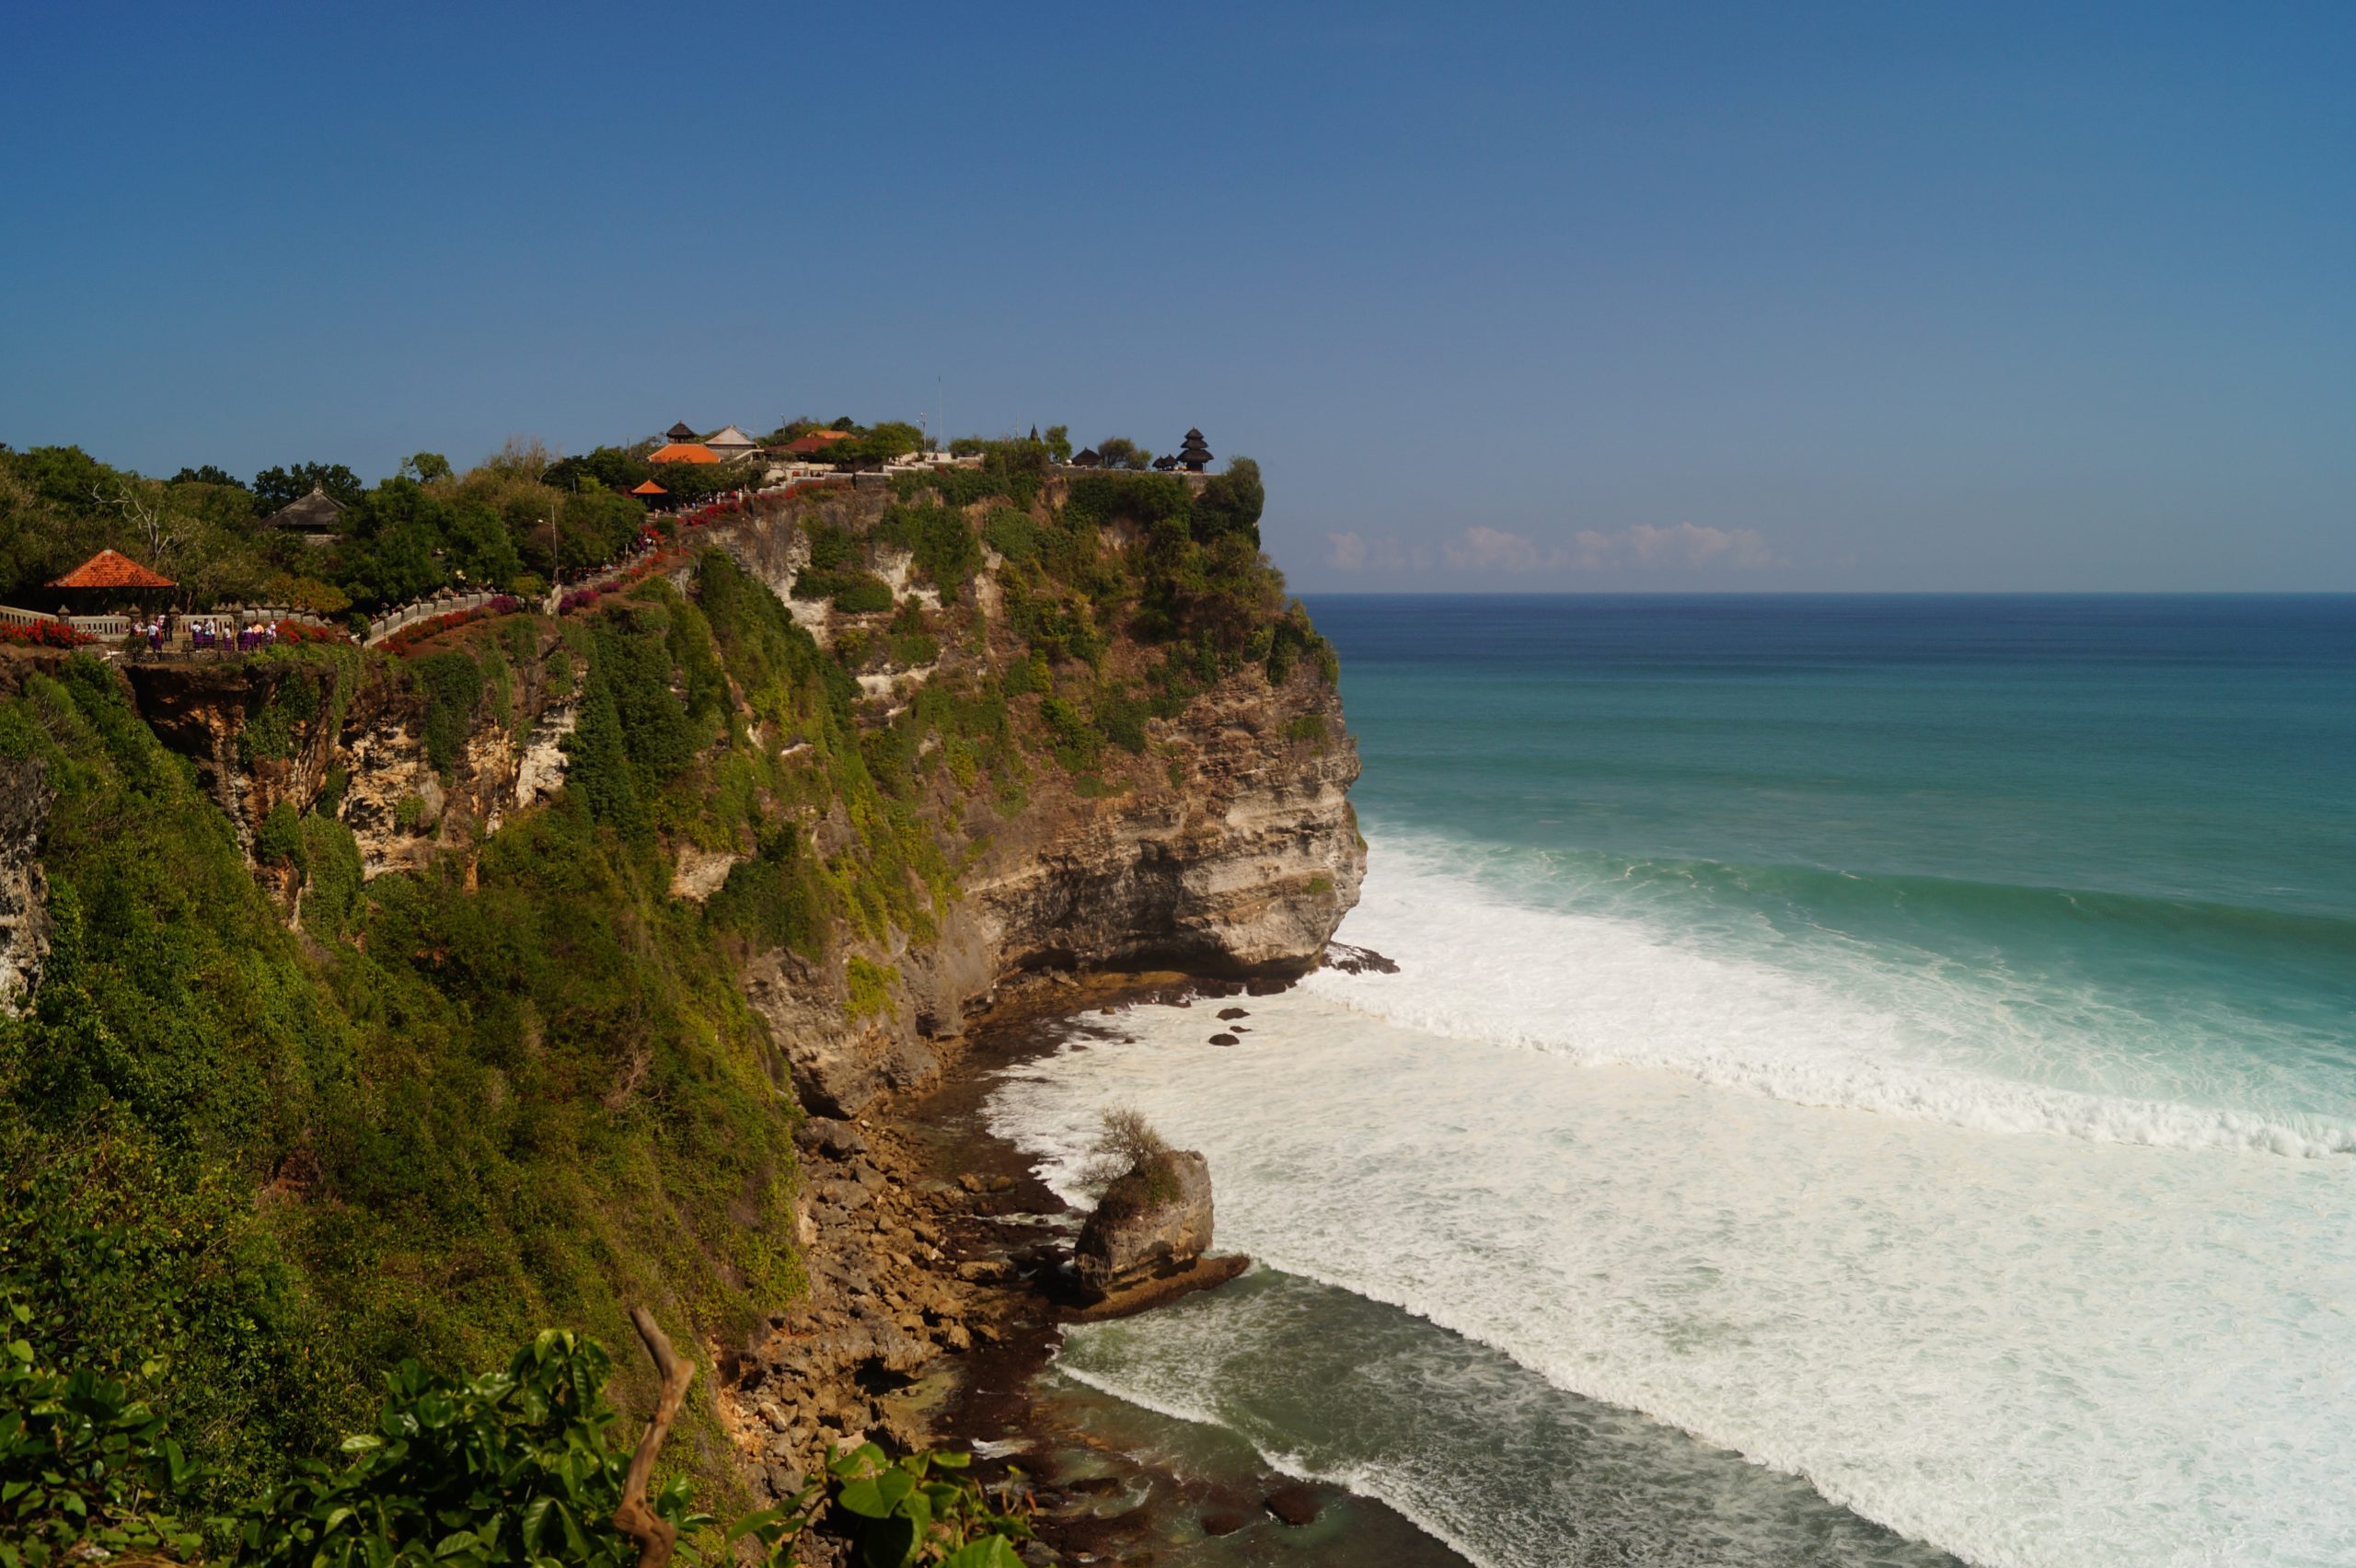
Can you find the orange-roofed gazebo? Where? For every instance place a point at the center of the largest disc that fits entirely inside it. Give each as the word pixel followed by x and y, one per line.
pixel 648 488
pixel 112 569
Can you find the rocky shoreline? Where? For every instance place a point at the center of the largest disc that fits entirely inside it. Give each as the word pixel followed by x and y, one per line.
pixel 938 1285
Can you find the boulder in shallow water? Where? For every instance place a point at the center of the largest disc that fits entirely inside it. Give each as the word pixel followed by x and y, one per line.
pixel 1154 1221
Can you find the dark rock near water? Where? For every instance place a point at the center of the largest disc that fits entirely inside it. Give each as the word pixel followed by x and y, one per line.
pixel 1224 1519
pixel 1155 1220
pixel 1296 1504
pixel 1358 960
pixel 1223 1038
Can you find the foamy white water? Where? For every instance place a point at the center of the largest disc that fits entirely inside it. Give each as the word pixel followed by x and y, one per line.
pixel 1820 1023
pixel 1667 1178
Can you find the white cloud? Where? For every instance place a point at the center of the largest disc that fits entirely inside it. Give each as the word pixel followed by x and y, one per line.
pixel 1493 549
pixel 1345 552
pixel 1686 544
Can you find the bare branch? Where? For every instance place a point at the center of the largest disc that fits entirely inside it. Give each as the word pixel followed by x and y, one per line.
pixel 655 1537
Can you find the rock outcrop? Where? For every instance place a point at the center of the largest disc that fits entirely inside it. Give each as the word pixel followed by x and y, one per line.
pixel 24 800
pixel 1154 1221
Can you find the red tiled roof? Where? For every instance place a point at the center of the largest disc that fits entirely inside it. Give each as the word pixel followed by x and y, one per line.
pixel 817 441
pixel 683 451
pixel 112 569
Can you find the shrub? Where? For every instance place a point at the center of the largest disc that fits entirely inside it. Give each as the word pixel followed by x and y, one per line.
pixel 860 594
pixel 1125 1143
pixel 947 555
pixel 871 987
pixel 279 840
pixel 508 1468
pixel 84 1463
pixel 1012 535
pixel 453 686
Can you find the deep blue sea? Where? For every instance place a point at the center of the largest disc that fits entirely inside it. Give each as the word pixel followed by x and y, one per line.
pixel 1868 1079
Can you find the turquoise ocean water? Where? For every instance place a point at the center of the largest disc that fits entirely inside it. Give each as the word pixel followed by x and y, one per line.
pixel 1869 1079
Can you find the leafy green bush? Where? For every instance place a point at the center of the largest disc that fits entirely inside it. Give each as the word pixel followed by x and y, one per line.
pixel 1012 534
pixel 860 593
pixel 871 987
pixel 83 1462
pixel 452 683
pixel 507 1468
pixel 332 877
pixel 947 554
pixel 905 1512
pixel 777 899
pixel 279 840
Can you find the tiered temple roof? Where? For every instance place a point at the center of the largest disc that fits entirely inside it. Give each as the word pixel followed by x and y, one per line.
pixel 1194 456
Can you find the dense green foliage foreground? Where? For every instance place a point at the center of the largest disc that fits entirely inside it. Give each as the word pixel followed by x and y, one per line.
pixel 513 1468
pixel 244 1169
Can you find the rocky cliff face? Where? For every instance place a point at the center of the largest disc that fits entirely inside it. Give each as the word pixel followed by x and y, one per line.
pixel 261 731
pixel 1225 846
pixel 1230 850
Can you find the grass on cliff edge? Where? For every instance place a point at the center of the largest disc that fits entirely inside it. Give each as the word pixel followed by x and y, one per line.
pixel 285 1165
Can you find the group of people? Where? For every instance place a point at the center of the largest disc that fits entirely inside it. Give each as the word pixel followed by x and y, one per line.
pixel 210 634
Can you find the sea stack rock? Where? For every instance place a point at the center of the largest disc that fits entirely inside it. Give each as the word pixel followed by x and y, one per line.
pixel 1153 1222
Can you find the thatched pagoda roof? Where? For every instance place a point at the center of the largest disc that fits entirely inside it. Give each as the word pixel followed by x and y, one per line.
pixel 679 432
pixel 318 513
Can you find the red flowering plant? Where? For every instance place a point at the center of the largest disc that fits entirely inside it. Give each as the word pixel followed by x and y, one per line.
pixel 45 634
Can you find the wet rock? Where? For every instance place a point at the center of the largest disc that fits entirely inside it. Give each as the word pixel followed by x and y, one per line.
pixel 1358 960
pixel 1223 1038
pixel 1225 1519
pixel 1155 1220
pixel 1226 1013
pixel 1296 1504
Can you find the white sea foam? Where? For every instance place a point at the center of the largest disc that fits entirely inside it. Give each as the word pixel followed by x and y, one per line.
pixel 2041 1352
pixel 1829 1027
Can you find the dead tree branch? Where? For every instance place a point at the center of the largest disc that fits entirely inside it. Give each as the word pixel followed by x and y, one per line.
pixel 655 1537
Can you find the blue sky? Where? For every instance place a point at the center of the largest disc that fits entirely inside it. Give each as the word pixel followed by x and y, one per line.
pixel 1857 296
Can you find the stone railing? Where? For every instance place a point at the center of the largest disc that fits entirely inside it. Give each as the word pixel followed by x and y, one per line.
pixel 425 609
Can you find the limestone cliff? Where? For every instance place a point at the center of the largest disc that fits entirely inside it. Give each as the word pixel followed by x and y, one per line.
pixel 1216 839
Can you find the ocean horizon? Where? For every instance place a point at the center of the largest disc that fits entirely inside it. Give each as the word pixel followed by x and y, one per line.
pixel 1870 1079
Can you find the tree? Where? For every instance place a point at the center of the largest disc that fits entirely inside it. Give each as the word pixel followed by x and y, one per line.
pixel 1231 503
pixel 147 506
pixel 425 467
pixel 1059 442
pixel 1120 452
pixel 275 488
pixel 207 475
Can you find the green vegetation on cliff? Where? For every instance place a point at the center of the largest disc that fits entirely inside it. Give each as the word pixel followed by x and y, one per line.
pixel 519 1087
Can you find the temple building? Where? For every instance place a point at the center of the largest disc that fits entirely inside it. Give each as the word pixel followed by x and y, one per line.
pixel 1086 457
pixel 732 444
pixel 317 519
pixel 1193 456
pixel 678 432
